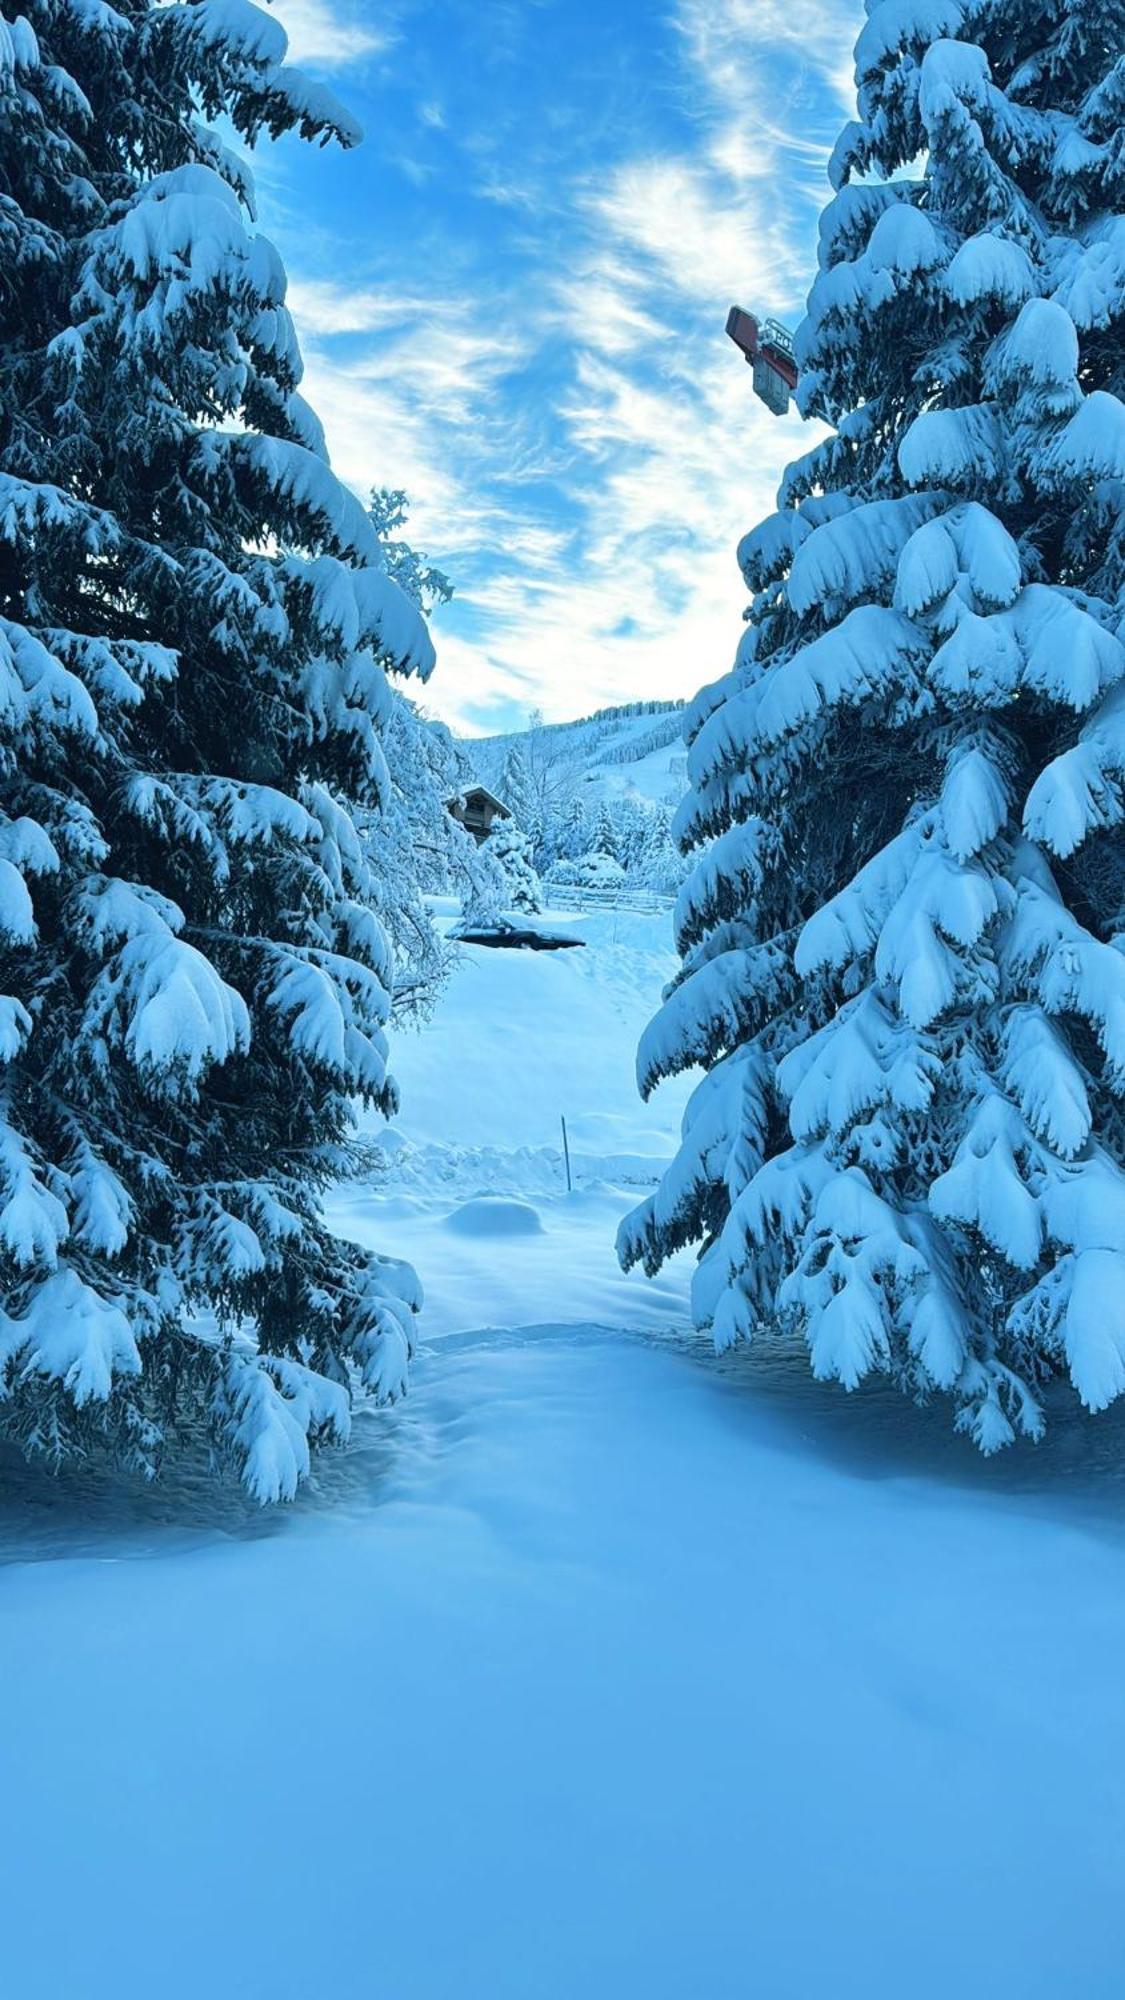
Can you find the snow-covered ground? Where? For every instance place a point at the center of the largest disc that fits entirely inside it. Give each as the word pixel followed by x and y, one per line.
pixel 597 1667
pixel 477 1197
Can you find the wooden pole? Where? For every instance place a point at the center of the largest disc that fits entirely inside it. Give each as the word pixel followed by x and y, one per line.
pixel 566 1157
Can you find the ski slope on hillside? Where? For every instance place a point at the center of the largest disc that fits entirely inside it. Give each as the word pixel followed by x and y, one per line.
pixel 615 754
pixel 597 1667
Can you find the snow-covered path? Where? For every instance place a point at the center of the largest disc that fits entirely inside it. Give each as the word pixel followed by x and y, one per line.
pixel 598 1667
pixel 477 1197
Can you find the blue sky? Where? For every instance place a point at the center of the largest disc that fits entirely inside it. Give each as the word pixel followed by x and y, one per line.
pixel 511 302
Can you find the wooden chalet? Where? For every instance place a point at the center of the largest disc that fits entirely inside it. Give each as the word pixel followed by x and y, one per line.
pixel 477 809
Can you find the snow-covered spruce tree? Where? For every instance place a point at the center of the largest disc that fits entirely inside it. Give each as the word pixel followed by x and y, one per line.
pixel 509 845
pixel 515 787
pixel 634 822
pixel 903 949
pixel 415 848
pixel 574 830
pixel 422 581
pixel 412 843
pixel 194 623
pixel 659 864
pixel 606 839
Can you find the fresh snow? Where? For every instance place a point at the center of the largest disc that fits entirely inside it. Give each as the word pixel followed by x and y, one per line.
pixel 614 1660
pixel 596 1670
pixel 596 1666
pixel 491 1215
pixel 477 1152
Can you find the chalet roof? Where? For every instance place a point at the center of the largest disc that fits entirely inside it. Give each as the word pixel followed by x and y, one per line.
pixel 478 795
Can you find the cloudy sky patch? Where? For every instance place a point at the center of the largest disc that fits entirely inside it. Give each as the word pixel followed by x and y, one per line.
pixel 511 301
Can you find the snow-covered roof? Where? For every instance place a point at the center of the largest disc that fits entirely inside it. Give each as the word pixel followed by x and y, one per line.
pixel 478 794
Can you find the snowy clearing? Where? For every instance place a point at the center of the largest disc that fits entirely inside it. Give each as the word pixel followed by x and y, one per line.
pixel 521 1040
pixel 597 1666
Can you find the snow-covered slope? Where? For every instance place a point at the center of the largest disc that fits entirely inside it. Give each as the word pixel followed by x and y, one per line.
pixel 618 753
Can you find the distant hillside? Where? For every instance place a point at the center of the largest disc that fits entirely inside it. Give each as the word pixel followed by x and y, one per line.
pixel 633 751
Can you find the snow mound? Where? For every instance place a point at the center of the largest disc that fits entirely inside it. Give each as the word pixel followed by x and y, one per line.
pixel 492 1215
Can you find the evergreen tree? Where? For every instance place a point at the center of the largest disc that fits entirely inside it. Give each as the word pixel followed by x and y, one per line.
pixel 634 821
pixel 659 864
pixel 605 839
pixel 514 786
pixel 423 582
pixel 415 848
pixel 413 844
pixel 574 830
pixel 195 619
pixel 903 964
pixel 509 845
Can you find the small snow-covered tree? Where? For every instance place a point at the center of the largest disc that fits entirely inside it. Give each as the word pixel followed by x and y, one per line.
pixel 415 849
pixel 509 845
pixel 413 844
pixel 424 583
pixel 485 894
pixel 195 619
pixel 903 958
pixel 606 838
pixel 589 871
pixel 658 862
pixel 514 786
pixel 573 830
pixel 634 822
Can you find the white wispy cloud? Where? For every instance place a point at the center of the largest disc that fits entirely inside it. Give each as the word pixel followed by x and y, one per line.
pixel 409 389
pixel 735 49
pixel 330 33
pixel 674 457
pixel 324 307
pixel 657 456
